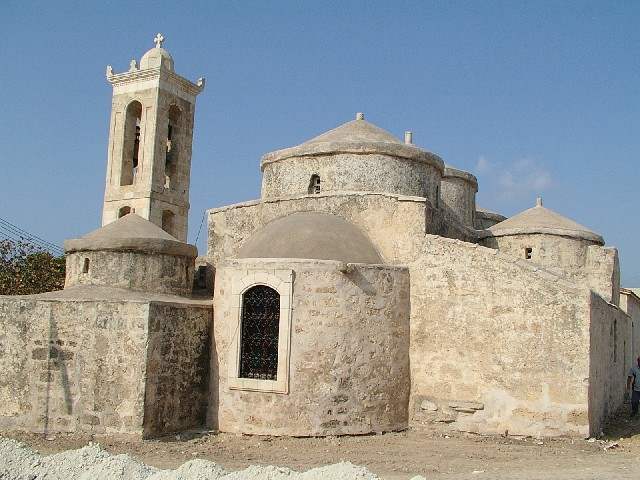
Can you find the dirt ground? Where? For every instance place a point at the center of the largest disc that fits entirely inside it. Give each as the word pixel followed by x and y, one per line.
pixel 392 456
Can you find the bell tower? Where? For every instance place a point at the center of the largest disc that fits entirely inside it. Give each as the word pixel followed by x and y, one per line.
pixel 150 136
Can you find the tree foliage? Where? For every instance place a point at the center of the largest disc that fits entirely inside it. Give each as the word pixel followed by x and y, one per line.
pixel 26 269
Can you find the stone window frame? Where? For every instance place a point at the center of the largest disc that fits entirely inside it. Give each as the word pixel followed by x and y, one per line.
pixel 281 280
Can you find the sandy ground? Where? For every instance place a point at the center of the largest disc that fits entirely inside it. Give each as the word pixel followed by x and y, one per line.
pixel 435 455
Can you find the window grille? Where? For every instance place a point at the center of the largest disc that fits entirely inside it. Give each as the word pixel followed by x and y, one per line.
pixel 259 333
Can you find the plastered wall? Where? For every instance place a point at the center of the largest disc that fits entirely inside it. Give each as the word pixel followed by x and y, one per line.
pixel 349 353
pixel 392 223
pixel 573 258
pixel 610 358
pixel 498 344
pixel 631 305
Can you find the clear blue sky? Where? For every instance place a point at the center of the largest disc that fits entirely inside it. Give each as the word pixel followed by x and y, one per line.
pixel 534 97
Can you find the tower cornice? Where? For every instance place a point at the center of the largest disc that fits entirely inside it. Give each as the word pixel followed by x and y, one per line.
pixel 157 73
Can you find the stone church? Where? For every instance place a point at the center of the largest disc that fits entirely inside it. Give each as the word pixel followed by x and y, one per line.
pixel 364 291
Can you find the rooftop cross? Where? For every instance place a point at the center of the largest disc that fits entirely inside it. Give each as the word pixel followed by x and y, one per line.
pixel 158 40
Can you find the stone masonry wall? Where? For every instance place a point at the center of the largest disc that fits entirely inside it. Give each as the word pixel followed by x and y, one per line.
pixel 342 172
pixel 459 199
pixel 496 343
pixel 177 379
pixel 349 353
pixel 132 270
pixel 72 366
pixel 101 366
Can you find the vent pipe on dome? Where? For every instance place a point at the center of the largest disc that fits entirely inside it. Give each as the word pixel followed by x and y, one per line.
pixel 359 116
pixel 408 137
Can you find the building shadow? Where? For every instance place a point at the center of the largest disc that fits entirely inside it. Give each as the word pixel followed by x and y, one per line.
pixel 622 424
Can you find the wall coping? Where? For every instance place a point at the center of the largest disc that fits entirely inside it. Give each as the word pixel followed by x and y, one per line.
pixel 346 193
pixel 399 150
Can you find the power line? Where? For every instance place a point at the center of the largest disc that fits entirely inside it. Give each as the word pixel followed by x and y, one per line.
pixel 199 229
pixel 15 233
pixel 27 234
pixel 18 236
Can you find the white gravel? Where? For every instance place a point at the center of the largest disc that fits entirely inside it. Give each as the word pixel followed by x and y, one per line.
pixel 19 462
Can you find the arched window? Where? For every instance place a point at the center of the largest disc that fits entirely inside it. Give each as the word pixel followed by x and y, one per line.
pixel 171 156
pixel 85 266
pixel 167 221
pixel 314 184
pixel 124 211
pixel 259 333
pixel 131 143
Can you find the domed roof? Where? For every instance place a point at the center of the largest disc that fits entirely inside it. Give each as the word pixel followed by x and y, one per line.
pixel 542 220
pixel 357 131
pixel 357 136
pixel 157 56
pixel 311 235
pixel 131 233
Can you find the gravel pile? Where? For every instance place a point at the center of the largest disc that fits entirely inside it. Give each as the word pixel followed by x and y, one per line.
pixel 19 462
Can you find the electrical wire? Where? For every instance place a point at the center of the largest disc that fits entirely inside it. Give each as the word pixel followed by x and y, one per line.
pixel 12 232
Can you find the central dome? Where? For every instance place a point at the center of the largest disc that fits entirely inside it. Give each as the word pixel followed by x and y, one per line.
pixel 356 131
pixel 311 235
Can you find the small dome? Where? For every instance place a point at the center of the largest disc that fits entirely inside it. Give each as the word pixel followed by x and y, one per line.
pixel 156 57
pixel 311 235
pixel 542 220
pixel 131 232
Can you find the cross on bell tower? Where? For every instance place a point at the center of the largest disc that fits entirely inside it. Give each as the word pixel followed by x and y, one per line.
pixel 150 136
pixel 158 40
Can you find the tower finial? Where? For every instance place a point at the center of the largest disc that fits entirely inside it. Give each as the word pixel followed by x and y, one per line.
pixel 158 40
pixel 359 116
pixel 538 201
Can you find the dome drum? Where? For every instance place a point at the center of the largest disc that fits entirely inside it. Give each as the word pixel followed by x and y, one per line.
pixel 350 172
pixel 357 157
pixel 458 195
pixel 544 237
pixel 131 253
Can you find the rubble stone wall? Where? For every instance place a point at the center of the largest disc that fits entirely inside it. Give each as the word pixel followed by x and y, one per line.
pixel 72 366
pixel 366 172
pixel 349 352
pixel 154 273
pixel 98 366
pixel 177 371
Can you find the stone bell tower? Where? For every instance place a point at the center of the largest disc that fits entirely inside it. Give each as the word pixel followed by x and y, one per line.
pixel 150 136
